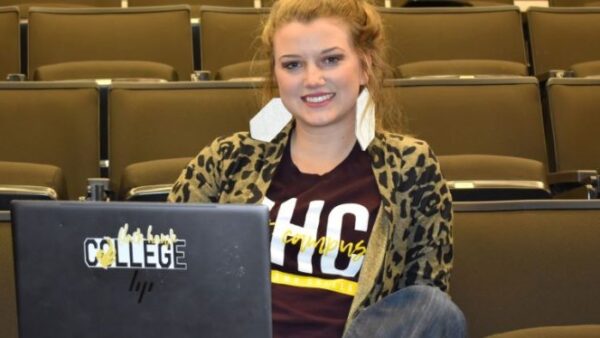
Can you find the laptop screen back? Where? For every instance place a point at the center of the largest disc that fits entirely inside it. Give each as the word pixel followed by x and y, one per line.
pixel 93 269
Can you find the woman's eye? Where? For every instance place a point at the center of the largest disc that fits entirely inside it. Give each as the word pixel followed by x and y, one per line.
pixel 332 60
pixel 291 65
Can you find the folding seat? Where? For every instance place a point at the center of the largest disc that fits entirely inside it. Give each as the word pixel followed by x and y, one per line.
pixel 24 5
pixel 162 123
pixel 565 39
pixel 8 300
pixel 194 4
pixel 488 132
pixel 558 331
pixel 455 3
pixel 494 177
pixel 455 40
pixel 527 264
pixel 574 113
pixel 229 37
pixel 10 54
pixel 151 180
pixel 143 42
pixel 30 181
pixel 574 3
pixel 54 124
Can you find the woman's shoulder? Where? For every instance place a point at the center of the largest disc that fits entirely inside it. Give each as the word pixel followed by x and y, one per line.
pixel 402 144
pixel 229 146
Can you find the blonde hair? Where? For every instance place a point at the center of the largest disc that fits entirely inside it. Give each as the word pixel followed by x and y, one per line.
pixel 367 37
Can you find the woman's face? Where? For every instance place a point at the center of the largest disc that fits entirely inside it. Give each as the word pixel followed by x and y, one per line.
pixel 318 72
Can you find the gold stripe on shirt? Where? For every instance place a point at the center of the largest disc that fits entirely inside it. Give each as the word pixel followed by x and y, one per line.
pixel 342 286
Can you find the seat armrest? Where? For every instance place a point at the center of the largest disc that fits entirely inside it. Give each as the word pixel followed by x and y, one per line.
pixel 564 181
pixel 554 73
pixel 201 75
pixel 16 77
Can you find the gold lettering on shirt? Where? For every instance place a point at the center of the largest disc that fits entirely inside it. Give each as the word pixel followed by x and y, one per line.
pixel 325 244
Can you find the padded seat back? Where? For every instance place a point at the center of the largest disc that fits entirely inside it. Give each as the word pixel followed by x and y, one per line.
pixel 24 5
pixel 52 123
pixel 10 53
pixel 229 35
pixel 562 37
pixel 194 4
pixel 156 34
pixel 8 295
pixel 491 116
pixel 574 115
pixel 171 120
pixel 526 264
pixel 573 3
pixel 454 33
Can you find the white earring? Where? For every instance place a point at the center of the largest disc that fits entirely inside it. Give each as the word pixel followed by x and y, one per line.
pixel 269 121
pixel 365 119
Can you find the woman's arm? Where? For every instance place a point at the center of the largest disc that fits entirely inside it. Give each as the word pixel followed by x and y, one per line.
pixel 430 252
pixel 200 179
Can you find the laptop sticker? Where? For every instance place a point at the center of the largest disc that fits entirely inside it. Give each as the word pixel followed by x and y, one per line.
pixel 136 250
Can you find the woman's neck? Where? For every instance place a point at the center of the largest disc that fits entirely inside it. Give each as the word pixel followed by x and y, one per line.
pixel 320 150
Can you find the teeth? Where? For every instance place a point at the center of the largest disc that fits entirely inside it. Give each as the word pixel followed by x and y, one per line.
pixel 318 99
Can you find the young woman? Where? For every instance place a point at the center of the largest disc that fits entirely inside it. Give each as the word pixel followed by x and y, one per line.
pixel 361 218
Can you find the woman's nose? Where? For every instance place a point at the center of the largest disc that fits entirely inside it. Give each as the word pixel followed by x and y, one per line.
pixel 313 76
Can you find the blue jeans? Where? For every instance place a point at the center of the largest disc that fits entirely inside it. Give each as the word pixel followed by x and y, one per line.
pixel 414 311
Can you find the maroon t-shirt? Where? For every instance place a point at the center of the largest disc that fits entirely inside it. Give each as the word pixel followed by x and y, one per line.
pixel 320 226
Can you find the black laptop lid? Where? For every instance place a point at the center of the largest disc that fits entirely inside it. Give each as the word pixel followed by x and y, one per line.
pixel 83 270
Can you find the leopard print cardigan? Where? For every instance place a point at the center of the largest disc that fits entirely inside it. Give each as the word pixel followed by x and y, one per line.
pixel 411 240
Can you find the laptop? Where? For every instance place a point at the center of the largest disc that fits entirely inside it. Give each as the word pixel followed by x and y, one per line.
pixel 125 269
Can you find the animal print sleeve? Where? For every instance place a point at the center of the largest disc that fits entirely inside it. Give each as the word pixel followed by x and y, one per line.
pixel 430 252
pixel 199 180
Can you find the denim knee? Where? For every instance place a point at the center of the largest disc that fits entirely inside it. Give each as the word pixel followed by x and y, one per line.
pixel 415 311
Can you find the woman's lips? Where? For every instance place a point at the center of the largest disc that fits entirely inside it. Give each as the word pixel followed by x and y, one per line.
pixel 318 99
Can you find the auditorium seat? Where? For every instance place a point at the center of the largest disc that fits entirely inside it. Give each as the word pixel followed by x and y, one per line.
pixel 116 70
pixel 455 40
pixel 526 264
pixel 151 180
pixel 574 3
pixel 493 115
pixel 172 120
pixel 150 41
pixel 30 181
pixel 10 54
pixel 564 331
pixel 54 124
pixel 435 3
pixel 586 69
pixel 488 133
pixel 24 5
pixel 573 115
pixel 493 177
pixel 244 70
pixel 228 36
pixel 455 3
pixel 561 38
pixel 8 298
pixel 194 4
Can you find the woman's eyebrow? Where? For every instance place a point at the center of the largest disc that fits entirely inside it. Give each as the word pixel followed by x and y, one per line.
pixel 324 51
pixel 332 49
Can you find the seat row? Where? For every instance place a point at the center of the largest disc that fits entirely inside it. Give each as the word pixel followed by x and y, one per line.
pixel 157 42
pixel 517 265
pixel 195 4
pixel 489 133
